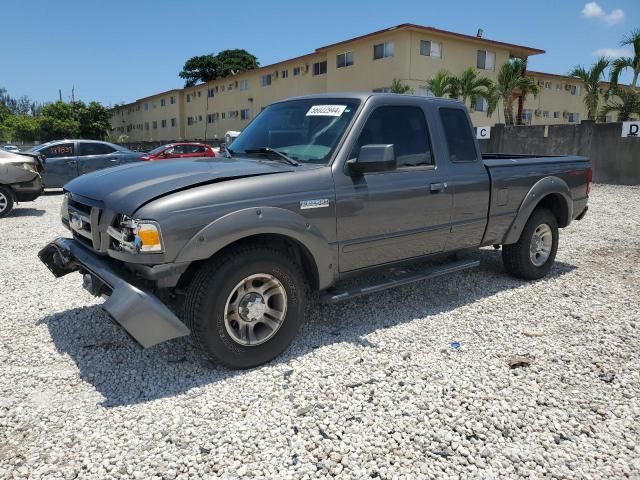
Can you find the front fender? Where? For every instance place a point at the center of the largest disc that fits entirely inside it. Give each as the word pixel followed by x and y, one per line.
pixel 542 188
pixel 244 223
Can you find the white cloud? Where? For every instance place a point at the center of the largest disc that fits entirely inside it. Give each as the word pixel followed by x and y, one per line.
pixel 612 52
pixel 593 10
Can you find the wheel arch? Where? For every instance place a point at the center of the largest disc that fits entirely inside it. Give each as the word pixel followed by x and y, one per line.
pixel 552 193
pixel 269 226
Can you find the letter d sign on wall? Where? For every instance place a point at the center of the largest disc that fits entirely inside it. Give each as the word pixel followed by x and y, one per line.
pixel 631 129
pixel 483 133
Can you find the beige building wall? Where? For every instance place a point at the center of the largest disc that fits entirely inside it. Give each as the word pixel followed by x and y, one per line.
pixel 235 101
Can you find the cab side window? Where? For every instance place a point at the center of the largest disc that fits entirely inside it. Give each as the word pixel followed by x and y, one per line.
pixel 457 131
pixel 90 148
pixel 405 128
pixel 59 150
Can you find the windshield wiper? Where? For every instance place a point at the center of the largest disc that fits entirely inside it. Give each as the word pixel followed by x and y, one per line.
pixel 268 150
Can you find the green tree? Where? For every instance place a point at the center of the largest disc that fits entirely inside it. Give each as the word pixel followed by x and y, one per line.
pixel 58 121
pixel 93 120
pixel 625 102
pixel 204 68
pixel 620 64
pixel 237 60
pixel 440 85
pixel 591 78
pixel 398 87
pixel 23 127
pixel 469 86
pixel 511 84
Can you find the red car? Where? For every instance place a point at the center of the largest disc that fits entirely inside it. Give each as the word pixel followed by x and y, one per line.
pixel 179 150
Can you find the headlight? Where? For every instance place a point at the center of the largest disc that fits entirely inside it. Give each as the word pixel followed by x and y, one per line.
pixel 137 236
pixel 30 167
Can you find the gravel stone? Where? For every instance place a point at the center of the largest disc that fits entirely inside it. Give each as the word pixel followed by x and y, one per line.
pixel 370 388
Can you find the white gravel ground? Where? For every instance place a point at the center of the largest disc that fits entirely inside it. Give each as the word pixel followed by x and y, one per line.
pixel 371 388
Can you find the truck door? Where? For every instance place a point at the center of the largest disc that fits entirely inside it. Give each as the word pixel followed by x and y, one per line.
pixel 94 156
pixel 467 180
pixel 397 214
pixel 60 164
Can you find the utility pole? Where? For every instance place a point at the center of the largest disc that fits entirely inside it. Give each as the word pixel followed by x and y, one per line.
pixel 60 93
pixel 73 97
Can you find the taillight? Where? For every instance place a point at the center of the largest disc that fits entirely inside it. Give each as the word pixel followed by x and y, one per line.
pixel 589 179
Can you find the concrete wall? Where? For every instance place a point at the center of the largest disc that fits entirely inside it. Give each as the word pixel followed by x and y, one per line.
pixel 614 159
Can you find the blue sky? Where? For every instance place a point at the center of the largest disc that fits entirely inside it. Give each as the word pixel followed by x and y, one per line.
pixel 114 51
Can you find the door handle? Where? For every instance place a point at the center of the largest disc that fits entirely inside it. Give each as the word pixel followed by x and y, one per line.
pixel 114 159
pixel 71 162
pixel 437 187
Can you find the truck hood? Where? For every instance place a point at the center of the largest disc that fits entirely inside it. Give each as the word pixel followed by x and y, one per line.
pixel 126 188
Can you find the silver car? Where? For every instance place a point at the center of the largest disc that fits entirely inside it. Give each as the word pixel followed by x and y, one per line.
pixel 19 179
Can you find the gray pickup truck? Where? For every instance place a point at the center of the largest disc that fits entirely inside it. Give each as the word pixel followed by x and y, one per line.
pixel 315 190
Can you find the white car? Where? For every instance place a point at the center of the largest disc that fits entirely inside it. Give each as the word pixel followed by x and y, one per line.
pixel 11 148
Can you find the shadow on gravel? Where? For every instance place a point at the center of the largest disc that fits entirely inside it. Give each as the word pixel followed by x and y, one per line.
pixel 125 374
pixel 27 212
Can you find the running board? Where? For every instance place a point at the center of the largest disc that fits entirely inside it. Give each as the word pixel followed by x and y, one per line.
pixel 403 278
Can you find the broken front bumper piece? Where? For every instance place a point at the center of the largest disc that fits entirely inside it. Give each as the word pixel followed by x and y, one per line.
pixel 139 312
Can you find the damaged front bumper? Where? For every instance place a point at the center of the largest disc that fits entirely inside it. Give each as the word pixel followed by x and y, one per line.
pixel 139 312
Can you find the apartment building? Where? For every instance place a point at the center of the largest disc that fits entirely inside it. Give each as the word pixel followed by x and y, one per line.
pixel 408 52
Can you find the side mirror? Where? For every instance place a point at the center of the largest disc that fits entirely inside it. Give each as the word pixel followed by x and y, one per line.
pixel 373 158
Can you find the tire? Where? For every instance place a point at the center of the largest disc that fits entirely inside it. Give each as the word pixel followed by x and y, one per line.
pixel 6 201
pixel 522 259
pixel 234 278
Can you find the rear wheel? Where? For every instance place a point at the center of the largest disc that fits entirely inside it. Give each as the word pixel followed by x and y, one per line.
pixel 532 256
pixel 6 201
pixel 245 306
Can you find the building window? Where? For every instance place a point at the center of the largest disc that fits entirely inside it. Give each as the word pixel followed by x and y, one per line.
pixel 545 114
pixel 556 114
pixel 211 118
pixel 526 117
pixel 382 90
pixel 284 74
pixel 199 93
pixel 547 85
pixel 163 102
pixel 189 120
pixel 430 49
pixel 320 68
pixel 146 125
pixel 244 85
pixel 383 50
pixel 173 99
pixel 574 118
pixel 481 104
pixel 210 92
pixel 486 60
pixel 188 98
pixel 224 115
pixel 230 87
pixel 146 106
pixel 558 86
pixel 575 90
pixel 244 114
pixel 265 80
pixel 296 71
pixel 173 122
pixel 344 60
pixel 199 118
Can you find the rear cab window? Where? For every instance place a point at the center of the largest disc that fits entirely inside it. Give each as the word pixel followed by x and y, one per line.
pixel 459 136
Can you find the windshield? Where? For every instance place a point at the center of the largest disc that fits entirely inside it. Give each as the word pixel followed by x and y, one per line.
pixel 304 130
pixel 158 149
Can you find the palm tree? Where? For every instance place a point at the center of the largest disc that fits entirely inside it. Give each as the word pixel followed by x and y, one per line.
pixel 470 85
pixel 591 80
pixel 626 104
pixel 398 87
pixel 512 83
pixel 620 64
pixel 441 84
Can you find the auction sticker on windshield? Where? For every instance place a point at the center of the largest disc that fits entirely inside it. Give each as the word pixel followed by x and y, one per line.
pixel 326 110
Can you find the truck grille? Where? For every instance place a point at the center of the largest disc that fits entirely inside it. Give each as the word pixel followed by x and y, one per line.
pixel 83 222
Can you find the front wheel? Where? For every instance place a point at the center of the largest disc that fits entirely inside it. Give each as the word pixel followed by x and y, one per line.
pixel 532 256
pixel 245 306
pixel 6 201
